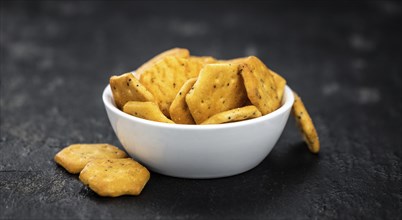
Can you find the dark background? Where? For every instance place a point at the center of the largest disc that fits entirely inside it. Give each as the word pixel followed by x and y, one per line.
pixel 343 58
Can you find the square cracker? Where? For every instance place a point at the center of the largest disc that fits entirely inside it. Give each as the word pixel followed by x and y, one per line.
pixel 237 114
pixel 167 76
pixel 145 110
pixel 219 88
pixel 176 52
pixel 127 88
pixel 179 111
pixel 280 82
pixel 260 85
pixel 74 157
pixel 115 177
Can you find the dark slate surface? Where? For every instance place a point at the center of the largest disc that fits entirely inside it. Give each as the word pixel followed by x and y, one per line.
pixel 343 58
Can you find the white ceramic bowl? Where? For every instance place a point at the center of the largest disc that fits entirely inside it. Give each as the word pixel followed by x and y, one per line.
pixel 198 151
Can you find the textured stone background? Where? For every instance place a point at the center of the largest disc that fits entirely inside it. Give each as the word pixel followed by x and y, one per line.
pixel 343 58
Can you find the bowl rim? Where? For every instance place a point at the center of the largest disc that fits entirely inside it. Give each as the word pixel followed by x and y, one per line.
pixel 107 98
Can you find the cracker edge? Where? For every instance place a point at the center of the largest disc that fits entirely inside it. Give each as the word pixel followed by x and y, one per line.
pixel 178 52
pixel 162 116
pixel 60 161
pixel 133 84
pixel 305 124
pixel 224 114
pixel 177 104
pixel 83 178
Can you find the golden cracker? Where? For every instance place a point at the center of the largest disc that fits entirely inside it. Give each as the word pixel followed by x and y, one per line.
pixel 279 80
pixel 74 157
pixel 203 59
pixel 176 52
pixel 219 88
pixel 237 114
pixel 127 88
pixel 235 60
pixel 179 111
pixel 260 85
pixel 305 124
pixel 145 110
pixel 115 177
pixel 280 84
pixel 166 77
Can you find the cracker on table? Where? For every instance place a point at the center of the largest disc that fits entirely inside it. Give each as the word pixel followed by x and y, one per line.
pixel 145 110
pixel 115 177
pixel 233 115
pixel 179 111
pixel 305 124
pixel 219 88
pixel 74 157
pixel 127 88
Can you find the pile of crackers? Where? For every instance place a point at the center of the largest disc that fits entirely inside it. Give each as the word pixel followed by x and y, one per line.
pixel 174 87
pixel 104 168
